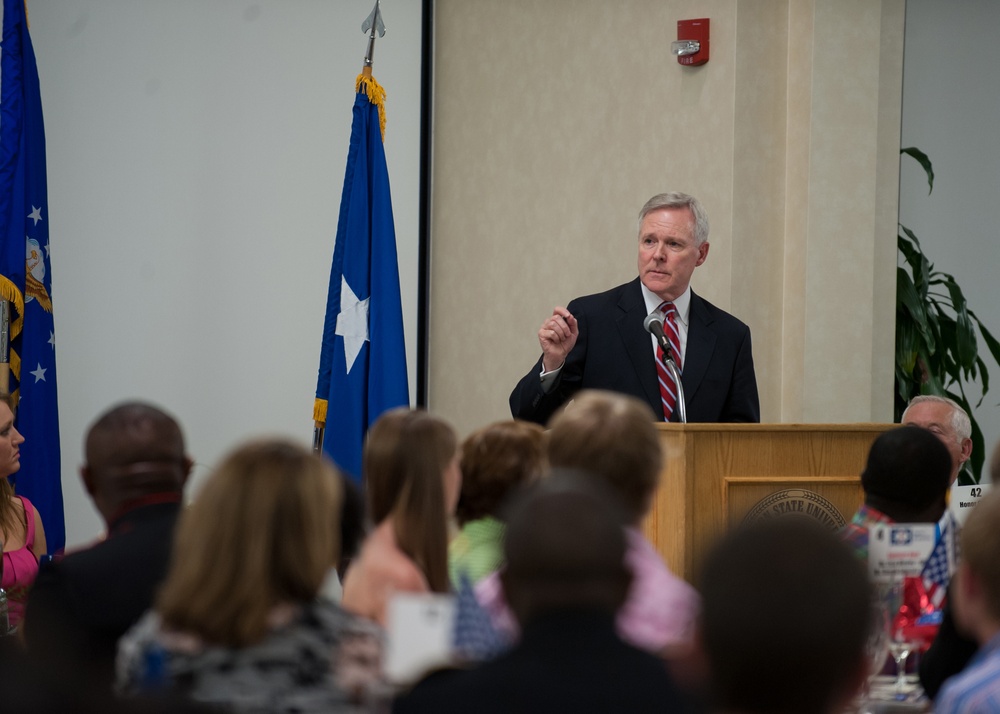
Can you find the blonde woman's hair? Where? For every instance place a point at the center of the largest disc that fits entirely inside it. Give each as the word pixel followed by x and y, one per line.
pixel 612 436
pixel 263 530
pixel 405 458
pixel 11 522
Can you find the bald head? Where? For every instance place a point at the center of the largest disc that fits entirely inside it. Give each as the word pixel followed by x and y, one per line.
pixel 565 549
pixel 133 450
pixel 907 475
pixel 785 612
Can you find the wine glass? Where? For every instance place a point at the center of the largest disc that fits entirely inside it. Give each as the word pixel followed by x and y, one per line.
pixel 876 647
pixel 899 646
pixel 900 649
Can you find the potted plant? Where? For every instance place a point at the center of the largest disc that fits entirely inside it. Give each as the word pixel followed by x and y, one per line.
pixel 937 349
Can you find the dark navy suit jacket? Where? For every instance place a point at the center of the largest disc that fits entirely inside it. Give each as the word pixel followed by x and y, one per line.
pixel 565 662
pixel 84 603
pixel 613 351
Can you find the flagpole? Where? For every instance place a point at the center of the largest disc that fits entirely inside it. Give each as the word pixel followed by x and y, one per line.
pixel 5 346
pixel 372 24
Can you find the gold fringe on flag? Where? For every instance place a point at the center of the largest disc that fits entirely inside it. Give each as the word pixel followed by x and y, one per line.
pixel 10 293
pixel 319 411
pixel 376 95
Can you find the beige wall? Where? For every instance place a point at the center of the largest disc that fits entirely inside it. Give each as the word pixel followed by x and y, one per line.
pixel 556 120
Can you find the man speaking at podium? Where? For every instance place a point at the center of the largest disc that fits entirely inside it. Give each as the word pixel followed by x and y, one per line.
pixel 600 342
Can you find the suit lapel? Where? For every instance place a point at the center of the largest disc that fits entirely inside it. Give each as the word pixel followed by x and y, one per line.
pixel 637 342
pixel 700 345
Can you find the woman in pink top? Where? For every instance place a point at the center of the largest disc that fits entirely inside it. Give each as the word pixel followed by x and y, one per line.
pixel 20 525
pixel 412 480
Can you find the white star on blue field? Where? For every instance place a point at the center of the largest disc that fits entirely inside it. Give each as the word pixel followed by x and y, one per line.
pixel 352 322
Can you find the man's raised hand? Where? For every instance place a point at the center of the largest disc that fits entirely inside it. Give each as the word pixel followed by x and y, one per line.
pixel 557 336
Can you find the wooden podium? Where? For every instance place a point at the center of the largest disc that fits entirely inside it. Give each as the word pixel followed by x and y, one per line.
pixel 715 474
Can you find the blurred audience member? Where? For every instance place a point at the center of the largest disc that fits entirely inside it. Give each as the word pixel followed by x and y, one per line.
pixel 36 683
pixel 412 476
pixel 238 622
pixel 352 524
pixel 612 437
pixel 135 470
pixel 785 619
pixel 976 593
pixel 496 460
pixel 22 537
pixel 946 419
pixel 565 578
pixel 952 649
pixel 906 480
pixel 352 533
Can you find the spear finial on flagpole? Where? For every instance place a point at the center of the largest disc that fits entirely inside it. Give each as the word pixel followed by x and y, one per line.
pixel 372 24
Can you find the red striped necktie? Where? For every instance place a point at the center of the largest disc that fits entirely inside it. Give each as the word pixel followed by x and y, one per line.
pixel 668 388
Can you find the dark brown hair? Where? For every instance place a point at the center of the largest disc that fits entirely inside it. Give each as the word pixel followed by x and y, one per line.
pixel 785 613
pixel 495 460
pixel 405 457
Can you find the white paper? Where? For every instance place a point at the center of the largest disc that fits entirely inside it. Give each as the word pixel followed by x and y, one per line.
pixel 964 499
pixel 420 633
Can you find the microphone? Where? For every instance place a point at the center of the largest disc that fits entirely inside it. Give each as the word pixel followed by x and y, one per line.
pixel 653 324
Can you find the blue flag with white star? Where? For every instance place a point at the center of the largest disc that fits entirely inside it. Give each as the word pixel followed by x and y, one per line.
pixel 362 365
pixel 26 275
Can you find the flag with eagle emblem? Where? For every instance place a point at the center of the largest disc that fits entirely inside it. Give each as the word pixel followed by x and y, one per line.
pixel 26 275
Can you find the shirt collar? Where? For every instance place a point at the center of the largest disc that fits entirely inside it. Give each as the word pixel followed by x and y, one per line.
pixel 682 303
pixel 150 500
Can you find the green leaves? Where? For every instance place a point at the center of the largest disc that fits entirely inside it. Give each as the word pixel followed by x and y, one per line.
pixel 937 335
pixel 922 159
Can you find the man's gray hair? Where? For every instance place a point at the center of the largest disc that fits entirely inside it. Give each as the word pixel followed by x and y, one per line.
pixel 676 199
pixel 960 421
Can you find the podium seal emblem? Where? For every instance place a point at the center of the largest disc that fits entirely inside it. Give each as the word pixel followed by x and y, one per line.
pixel 796 502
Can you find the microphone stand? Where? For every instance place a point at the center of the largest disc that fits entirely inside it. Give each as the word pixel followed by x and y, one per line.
pixel 653 324
pixel 668 362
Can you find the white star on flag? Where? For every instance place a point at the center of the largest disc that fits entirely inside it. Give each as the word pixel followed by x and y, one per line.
pixel 352 322
pixel 39 373
pixel 36 214
pixel 52 339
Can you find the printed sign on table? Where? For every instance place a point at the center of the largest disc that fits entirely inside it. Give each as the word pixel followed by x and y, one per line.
pixel 899 549
pixel 964 499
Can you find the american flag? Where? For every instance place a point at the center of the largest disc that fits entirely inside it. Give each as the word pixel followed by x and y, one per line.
pixel 937 569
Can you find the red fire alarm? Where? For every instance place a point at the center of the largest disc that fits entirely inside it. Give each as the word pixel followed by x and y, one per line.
pixel 691 47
